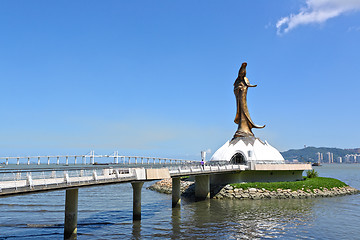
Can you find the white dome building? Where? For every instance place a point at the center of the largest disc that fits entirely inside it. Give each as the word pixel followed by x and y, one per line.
pixel 246 150
pixel 261 162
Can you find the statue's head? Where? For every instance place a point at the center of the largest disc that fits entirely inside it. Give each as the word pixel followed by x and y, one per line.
pixel 242 71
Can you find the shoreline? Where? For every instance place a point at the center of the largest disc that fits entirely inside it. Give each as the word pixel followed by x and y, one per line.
pixel 228 191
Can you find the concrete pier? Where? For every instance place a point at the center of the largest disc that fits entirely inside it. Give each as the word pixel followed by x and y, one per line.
pixel 71 210
pixel 202 187
pixel 176 192
pixel 137 200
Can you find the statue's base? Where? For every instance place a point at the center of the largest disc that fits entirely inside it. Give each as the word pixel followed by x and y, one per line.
pixel 242 134
pixel 245 149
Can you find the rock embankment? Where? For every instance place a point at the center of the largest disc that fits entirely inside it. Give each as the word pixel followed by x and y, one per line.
pixel 187 189
pixel 254 193
pixel 165 186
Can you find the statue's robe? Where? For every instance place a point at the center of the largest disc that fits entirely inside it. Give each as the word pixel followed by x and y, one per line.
pixel 242 118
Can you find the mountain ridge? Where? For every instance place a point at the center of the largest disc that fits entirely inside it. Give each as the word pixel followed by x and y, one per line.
pixel 308 154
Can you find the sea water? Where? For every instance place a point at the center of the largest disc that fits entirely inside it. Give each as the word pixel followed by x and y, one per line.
pixel 105 212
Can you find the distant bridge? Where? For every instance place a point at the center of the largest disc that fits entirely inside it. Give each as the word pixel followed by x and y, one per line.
pixel 91 157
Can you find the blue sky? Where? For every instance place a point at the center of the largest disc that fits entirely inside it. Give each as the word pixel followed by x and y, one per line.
pixel 156 77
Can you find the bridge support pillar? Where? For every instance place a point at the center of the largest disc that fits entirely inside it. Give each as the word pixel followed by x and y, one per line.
pixel 202 187
pixel 137 200
pixel 71 210
pixel 176 192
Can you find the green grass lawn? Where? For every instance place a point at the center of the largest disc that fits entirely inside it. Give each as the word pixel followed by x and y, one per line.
pixel 307 183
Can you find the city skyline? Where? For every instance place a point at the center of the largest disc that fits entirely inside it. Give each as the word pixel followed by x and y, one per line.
pixel 157 79
pixel 347 158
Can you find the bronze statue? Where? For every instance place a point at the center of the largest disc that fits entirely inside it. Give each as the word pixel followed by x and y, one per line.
pixel 245 124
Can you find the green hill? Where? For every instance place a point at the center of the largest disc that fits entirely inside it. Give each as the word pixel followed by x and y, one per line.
pixel 308 154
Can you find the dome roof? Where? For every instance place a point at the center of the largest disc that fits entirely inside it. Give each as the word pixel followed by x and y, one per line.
pixel 252 149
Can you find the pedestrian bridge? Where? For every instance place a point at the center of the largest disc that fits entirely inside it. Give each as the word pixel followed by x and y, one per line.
pixel 15 181
pixel 33 174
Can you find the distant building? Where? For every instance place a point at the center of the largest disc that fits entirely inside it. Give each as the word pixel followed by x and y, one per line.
pixel 339 159
pixel 330 157
pixel 319 157
pixel 351 158
pixel 328 154
pixel 356 158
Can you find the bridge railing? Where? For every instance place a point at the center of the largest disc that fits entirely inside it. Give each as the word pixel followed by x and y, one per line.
pixel 44 178
pixel 207 168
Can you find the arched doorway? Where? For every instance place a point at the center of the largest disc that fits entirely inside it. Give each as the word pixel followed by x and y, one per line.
pixel 238 158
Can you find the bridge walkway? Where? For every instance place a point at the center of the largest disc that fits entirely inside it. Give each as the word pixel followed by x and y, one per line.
pixel 17 182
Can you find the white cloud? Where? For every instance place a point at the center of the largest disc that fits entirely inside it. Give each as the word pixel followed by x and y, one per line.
pixel 316 11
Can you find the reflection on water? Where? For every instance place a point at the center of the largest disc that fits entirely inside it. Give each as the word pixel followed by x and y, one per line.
pixel 105 212
pixel 176 223
pixel 136 229
pixel 245 219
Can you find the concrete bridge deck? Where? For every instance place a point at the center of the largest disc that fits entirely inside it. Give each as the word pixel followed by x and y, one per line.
pixel 15 181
